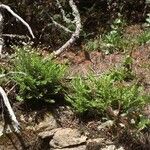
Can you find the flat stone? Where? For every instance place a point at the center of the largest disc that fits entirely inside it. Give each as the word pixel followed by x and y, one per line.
pixel 67 137
pixel 82 147
pixel 46 134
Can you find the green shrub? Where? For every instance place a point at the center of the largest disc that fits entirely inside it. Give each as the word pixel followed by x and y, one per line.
pixel 43 76
pixel 106 91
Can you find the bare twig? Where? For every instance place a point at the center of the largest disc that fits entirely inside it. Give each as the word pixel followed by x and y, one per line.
pixel 17 17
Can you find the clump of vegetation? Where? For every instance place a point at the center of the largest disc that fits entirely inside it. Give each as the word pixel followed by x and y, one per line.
pixel 107 92
pixel 42 79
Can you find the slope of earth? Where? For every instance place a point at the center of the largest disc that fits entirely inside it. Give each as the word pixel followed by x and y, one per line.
pixel 47 128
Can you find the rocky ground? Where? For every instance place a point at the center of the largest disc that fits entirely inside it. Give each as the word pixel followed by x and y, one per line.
pixel 58 128
pixel 63 132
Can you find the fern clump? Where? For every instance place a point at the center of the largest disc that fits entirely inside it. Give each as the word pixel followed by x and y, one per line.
pixel 42 79
pixel 104 92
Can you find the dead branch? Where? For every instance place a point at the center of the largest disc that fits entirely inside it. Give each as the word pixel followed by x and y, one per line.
pixel 61 26
pixel 67 20
pixel 1 30
pixel 17 17
pixel 76 21
pixel 15 123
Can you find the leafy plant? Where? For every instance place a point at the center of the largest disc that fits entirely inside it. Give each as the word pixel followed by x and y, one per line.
pixel 106 91
pixel 43 76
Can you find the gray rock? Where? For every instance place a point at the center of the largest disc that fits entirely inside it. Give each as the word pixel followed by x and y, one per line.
pixel 46 134
pixel 82 147
pixel 68 137
pixel 112 147
pixel 95 144
pixel 48 123
pixel 105 125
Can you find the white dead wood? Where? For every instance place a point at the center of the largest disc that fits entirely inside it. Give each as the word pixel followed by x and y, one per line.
pixel 1 29
pixel 61 26
pixel 17 17
pixel 76 21
pixel 15 123
pixel 67 20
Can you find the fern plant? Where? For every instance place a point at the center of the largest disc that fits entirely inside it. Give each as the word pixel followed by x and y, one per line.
pixel 43 76
pixel 106 91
